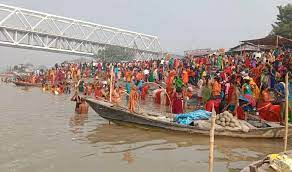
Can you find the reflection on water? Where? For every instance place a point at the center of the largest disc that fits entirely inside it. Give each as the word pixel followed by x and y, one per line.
pixel 40 132
pixel 128 156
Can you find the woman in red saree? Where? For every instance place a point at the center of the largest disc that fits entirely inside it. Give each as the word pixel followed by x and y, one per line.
pixel 267 110
pixel 144 92
pixel 177 103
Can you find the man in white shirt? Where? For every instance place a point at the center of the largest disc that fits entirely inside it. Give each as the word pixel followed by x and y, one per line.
pixel 146 74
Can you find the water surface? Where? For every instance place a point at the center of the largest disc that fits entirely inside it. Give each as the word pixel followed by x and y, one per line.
pixel 39 132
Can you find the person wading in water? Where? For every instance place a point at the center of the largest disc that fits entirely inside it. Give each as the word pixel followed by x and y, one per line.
pixel 83 107
pixel 76 98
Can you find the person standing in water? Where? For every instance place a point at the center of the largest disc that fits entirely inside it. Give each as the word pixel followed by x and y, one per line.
pixel 83 107
pixel 77 99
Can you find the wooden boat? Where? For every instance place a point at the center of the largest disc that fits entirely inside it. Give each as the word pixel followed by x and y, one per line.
pixel 263 165
pixel 27 84
pixel 122 115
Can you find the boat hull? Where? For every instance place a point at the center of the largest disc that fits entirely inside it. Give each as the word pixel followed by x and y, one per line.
pixel 259 165
pixel 26 84
pixel 121 115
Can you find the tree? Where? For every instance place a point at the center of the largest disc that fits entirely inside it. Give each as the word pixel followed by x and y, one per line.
pixel 283 25
pixel 116 54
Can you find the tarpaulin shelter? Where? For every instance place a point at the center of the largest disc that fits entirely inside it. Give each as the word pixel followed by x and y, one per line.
pixel 249 47
pixel 274 40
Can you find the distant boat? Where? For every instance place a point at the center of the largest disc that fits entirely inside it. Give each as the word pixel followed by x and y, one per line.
pixel 27 84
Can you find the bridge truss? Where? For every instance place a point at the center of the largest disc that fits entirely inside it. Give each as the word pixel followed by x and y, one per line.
pixel 22 28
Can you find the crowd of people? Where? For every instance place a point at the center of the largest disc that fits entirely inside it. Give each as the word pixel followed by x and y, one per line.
pixel 250 82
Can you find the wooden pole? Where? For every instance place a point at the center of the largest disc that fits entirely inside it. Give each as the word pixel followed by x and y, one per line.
pixel 111 83
pixel 277 41
pixel 286 112
pixel 212 131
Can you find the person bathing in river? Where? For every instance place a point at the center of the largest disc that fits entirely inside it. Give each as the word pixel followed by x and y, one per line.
pixel 83 107
pixel 77 99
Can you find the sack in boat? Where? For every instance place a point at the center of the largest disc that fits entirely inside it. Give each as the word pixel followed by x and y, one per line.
pixel 202 124
pixel 243 126
pixel 232 128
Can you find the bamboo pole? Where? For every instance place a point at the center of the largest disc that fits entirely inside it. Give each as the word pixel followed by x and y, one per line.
pixel 286 112
pixel 277 41
pixel 212 131
pixel 111 83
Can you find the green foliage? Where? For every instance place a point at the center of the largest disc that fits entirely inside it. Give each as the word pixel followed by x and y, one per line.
pixel 283 25
pixel 116 54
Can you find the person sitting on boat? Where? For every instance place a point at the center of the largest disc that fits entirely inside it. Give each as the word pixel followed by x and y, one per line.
pixel 83 107
pixel 266 109
pixel 133 99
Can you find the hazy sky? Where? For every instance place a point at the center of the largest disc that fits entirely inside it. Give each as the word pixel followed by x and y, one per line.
pixel 180 24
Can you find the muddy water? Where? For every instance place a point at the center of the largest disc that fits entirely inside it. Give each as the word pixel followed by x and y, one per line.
pixel 39 132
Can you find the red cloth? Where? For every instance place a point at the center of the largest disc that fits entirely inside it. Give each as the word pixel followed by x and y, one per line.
pixel 210 103
pixel 177 105
pixel 228 70
pixel 270 112
pixel 157 97
pixel 144 92
pixel 230 91
pixel 240 113
pixel 98 93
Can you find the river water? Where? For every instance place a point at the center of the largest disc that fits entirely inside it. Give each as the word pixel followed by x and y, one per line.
pixel 39 132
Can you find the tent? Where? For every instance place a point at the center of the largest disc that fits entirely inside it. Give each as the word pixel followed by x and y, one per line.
pixel 246 46
pixel 274 40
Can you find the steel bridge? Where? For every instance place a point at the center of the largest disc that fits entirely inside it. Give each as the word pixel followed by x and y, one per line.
pixel 22 28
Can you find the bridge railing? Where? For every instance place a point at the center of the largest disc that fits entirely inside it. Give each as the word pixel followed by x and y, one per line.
pixel 25 28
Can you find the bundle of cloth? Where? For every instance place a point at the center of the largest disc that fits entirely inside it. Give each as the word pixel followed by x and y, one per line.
pixel 188 118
